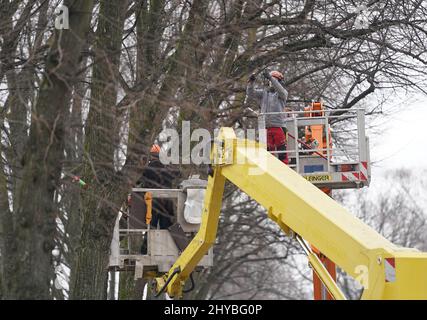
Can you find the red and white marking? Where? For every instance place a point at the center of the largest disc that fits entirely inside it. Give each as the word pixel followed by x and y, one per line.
pixel 363 170
pixel 350 176
pixel 390 270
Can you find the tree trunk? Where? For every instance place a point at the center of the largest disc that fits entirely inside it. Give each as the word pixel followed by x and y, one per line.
pixel 70 196
pixel 4 212
pixel 28 267
pixel 129 288
pixel 101 201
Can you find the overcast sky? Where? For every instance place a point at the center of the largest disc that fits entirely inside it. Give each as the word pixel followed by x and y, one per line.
pixel 403 142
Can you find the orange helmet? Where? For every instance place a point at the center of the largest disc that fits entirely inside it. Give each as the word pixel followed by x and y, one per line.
pixel 278 75
pixel 155 148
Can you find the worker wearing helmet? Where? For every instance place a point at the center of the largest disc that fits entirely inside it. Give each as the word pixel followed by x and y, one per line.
pixel 272 100
pixel 157 176
pixel 155 150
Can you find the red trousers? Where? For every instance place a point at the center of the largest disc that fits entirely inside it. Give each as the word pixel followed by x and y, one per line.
pixel 276 141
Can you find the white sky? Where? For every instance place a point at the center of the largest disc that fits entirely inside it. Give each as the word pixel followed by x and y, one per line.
pixel 403 142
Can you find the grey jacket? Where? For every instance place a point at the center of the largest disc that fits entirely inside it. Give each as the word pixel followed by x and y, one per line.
pixel 270 101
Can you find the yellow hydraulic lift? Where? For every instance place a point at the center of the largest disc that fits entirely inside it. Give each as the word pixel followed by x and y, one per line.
pixel 302 210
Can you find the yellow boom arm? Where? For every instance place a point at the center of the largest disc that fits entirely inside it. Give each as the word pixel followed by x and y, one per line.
pixel 385 270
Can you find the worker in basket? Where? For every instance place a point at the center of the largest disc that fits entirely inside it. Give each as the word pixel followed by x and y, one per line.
pixel 157 176
pixel 308 142
pixel 272 99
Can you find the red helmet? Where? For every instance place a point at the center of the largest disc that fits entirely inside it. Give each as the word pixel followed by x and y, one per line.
pixel 278 75
pixel 155 148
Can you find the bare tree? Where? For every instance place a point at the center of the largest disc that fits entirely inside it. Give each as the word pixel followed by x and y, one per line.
pixel 29 232
pixel 90 100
